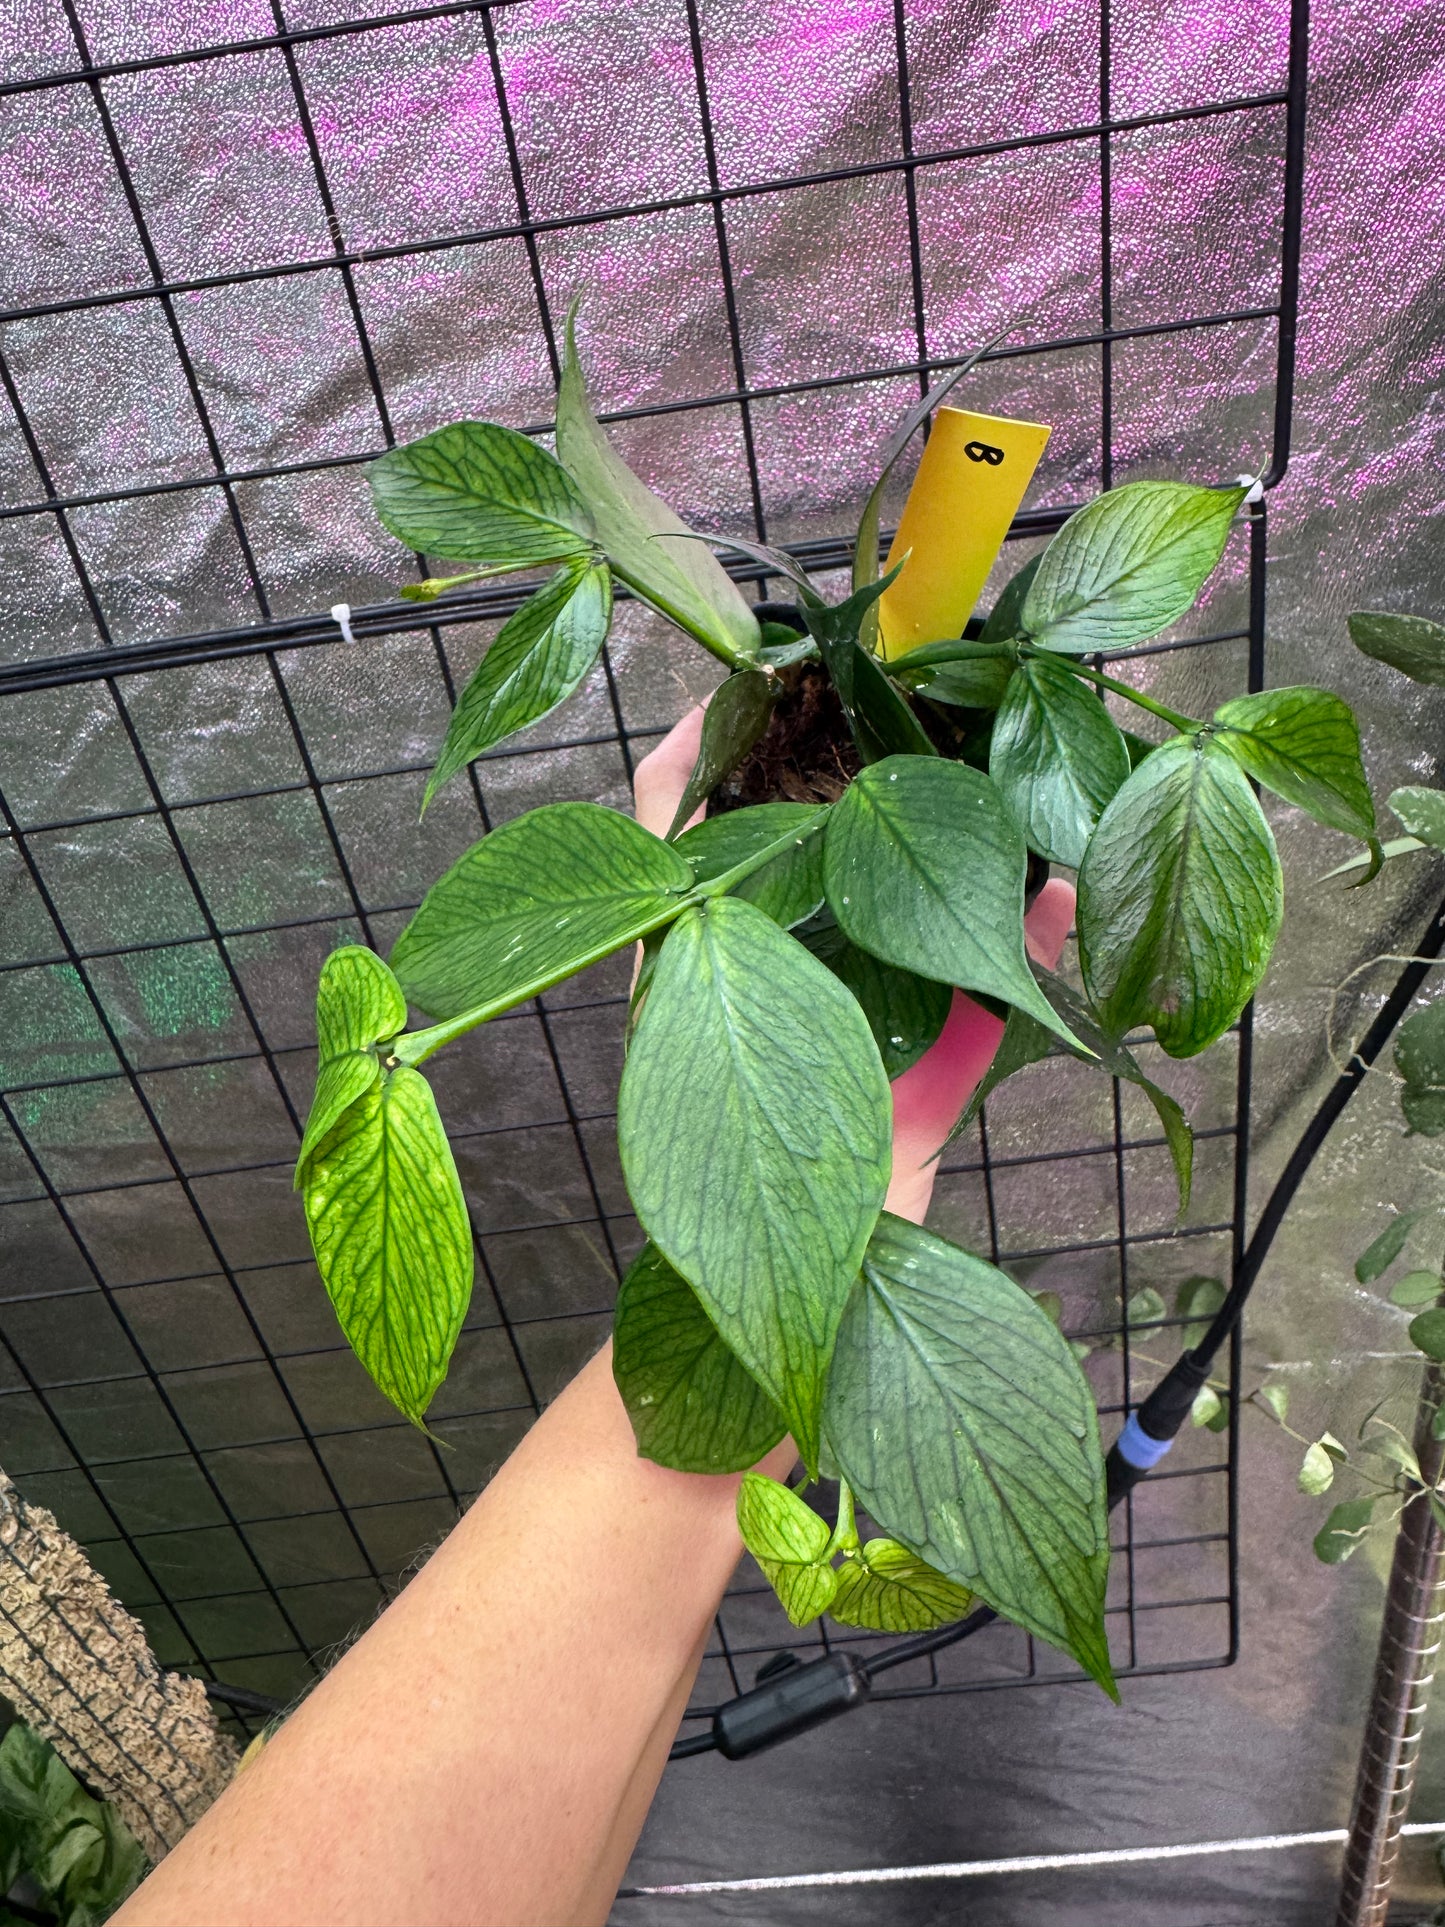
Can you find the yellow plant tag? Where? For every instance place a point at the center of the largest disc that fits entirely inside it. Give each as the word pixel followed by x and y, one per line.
pixel 969 484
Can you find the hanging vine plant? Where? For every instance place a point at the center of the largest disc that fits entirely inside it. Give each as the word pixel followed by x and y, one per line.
pixel 878 822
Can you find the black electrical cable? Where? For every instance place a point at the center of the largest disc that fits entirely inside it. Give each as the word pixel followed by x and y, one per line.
pixel 792 1695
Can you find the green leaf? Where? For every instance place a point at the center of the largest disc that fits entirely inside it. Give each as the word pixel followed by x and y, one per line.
pixel 1417 1288
pixel 1145 1307
pixel 1317 1473
pixel 1180 898
pixel 734 720
pixel 1422 811
pixel 1437 1510
pixel 1275 1401
pixel 1377 1257
pixel 905 1013
pixel 887 1589
pixel 1024 1042
pixel 1410 644
pixel 1206 1408
pixel 1197 1299
pixel 1138 747
pixel 534 901
pixel 538 658
pixel 970 675
pixel 1219 1422
pixel 924 868
pixel 789 888
pixel 790 1543
pixel 755 1127
pixel 1336 1451
pixel 1304 744
pixel 962 1422
pixel 359 1004
pixel 1437 1424
pixel 1057 756
pixel 879 717
pixel 1006 618
pixel 1389 1445
pixel 1344 1531
pixel 1427 1333
pixel 478 492
pixel 1420 1060
pixel 1128 565
pixel 692 1404
pixel 652 549
pixel 389 1228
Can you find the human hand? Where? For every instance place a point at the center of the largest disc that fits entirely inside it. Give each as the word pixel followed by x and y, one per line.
pixel 928 1098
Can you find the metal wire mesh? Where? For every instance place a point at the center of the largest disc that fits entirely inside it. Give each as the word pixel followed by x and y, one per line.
pixel 171 1379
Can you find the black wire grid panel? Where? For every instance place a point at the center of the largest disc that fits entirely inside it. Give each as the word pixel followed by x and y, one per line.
pixel 171 1379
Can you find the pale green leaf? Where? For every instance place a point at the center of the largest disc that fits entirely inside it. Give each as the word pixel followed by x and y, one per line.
pixel 1180 898
pixel 1207 1406
pixel 1317 1473
pixel 889 1590
pixel 1197 1299
pixel 1416 1288
pixel 905 1013
pixel 924 868
pixel 1410 644
pixel 1334 1448
pixel 790 1543
pixel 962 1422
pixel 787 889
pixel 389 1228
pixel 478 492
pixel 1377 1257
pixel 1343 1532
pixel 1420 1060
pixel 1422 811
pixel 359 1004
pixel 692 1404
pixel 1058 758
pixel 533 902
pixel 1128 565
pixel 1387 1444
pixel 1275 1401
pixel 755 1125
pixel 539 657
pixel 734 720
pixel 1304 744
pixel 649 546
pixel 1145 1307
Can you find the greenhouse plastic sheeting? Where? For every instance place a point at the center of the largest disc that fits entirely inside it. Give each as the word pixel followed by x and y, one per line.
pixel 298 206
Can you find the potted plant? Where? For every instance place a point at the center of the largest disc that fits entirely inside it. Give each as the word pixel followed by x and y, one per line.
pixel 800 949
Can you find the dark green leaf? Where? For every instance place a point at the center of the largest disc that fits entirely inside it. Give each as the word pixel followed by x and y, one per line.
pixel 1024 1042
pixel 755 1127
pixel 1180 898
pixel 887 1589
pixel 1427 1334
pixel 1377 1257
pixel 1128 565
pixel 970 675
pixel 1137 747
pixel 879 717
pixel 76 1850
pixel 924 868
pixel 787 889
pixel 962 1422
pixel 1437 1424
pixel 1420 1060
pixel 905 1013
pixel 733 721
pixel 1197 1299
pixel 539 657
pixel 790 1543
pixel 1344 1530
pixel 1317 1473
pixel 652 549
pixel 1304 744
pixel 1410 644
pixel 1219 1421
pixel 389 1228
pixel 533 902
pixel 1006 618
pixel 691 1403
pixel 478 492
pixel 1416 1288
pixel 1058 757
pixel 1422 811
pixel 359 1004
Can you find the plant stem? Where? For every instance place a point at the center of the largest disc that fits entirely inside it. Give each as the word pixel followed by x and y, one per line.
pixel 845 1532
pixel 1186 725
pixel 715 645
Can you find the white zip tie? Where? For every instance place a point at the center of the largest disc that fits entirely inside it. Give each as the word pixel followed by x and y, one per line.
pixel 1020 1863
pixel 1255 485
pixel 340 613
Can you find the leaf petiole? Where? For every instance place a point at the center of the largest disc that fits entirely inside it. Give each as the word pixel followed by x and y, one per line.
pixel 1186 725
pixel 845 1531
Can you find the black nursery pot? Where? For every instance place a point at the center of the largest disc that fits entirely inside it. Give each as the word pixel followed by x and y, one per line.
pixel 807 754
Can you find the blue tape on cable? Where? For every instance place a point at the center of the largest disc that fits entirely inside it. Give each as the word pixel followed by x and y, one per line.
pixel 1136 1448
